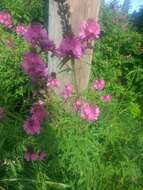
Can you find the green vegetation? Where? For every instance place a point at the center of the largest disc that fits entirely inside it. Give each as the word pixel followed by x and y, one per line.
pixel 104 155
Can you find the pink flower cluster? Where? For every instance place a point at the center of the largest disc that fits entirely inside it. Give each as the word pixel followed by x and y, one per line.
pixel 67 92
pixel 71 47
pixel 21 30
pixel 75 47
pixel 1 113
pixel 37 35
pixel 38 111
pixel 5 19
pixel 87 111
pixel 89 30
pixel 106 98
pixel 33 124
pixel 34 66
pixel 98 84
pixel 78 105
pixel 53 83
pixel 34 156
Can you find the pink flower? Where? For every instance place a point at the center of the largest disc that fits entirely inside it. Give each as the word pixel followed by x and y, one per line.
pixel 89 112
pixel 106 98
pixel 34 66
pixel 1 113
pixel 5 19
pixel 67 92
pixel 47 45
pixel 41 102
pixel 38 111
pixel 53 83
pixel 42 155
pixel 78 104
pixel 89 30
pixel 34 156
pixel 32 126
pixel 72 47
pixel 27 156
pixel 37 35
pixel 69 88
pixel 21 30
pixel 98 84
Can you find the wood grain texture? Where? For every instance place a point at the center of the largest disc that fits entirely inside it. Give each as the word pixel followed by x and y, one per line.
pixel 80 10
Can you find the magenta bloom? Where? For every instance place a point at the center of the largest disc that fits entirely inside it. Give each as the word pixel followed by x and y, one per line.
pixel 67 92
pixel 34 156
pixel 98 84
pixel 1 113
pixel 89 30
pixel 53 83
pixel 5 19
pixel 27 156
pixel 37 35
pixel 89 112
pixel 106 98
pixel 47 45
pixel 69 88
pixel 21 30
pixel 78 104
pixel 34 66
pixel 38 111
pixel 32 126
pixel 42 155
pixel 72 47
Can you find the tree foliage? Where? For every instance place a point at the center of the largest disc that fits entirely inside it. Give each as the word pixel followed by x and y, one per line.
pixel 126 6
pixel 118 56
pixel 137 19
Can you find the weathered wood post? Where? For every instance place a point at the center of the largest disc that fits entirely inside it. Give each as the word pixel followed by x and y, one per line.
pixel 80 10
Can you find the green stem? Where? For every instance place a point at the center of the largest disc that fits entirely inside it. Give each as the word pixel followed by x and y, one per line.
pixel 74 77
pixel 45 13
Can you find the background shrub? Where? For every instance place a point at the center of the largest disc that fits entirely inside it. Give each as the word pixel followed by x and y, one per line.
pixel 118 56
pixel 24 11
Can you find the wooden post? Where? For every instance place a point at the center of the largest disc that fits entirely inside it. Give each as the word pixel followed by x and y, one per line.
pixel 80 10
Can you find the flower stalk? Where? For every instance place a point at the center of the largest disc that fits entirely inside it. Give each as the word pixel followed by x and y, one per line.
pixel 74 77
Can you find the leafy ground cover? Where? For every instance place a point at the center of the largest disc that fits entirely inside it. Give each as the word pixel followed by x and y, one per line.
pixel 80 155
